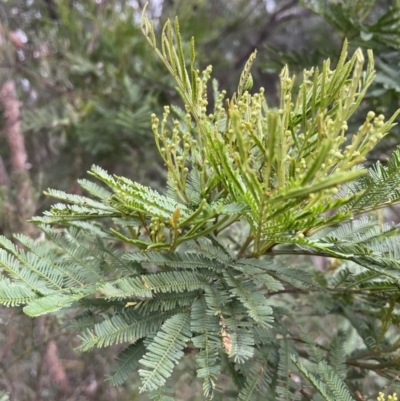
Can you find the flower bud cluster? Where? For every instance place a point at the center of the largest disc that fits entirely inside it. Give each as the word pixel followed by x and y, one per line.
pixel 156 228
pixel 381 397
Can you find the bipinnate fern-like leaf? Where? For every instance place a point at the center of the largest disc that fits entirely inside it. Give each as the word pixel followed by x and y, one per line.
pixel 82 200
pixel 315 353
pixel 21 275
pixel 183 260
pixel 236 334
pixel 145 285
pixel 253 300
pixel 162 302
pixel 53 302
pixel 257 382
pixel 95 189
pixel 286 386
pixel 379 187
pixel 13 262
pixel 207 341
pixel 161 394
pixel 128 362
pixel 123 327
pixel 313 379
pixel 367 333
pixel 333 381
pixel 13 294
pixel 262 272
pixel 213 249
pixel 337 355
pixel 164 351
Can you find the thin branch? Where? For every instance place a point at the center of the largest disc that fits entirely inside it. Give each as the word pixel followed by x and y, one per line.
pixel 49 83
pixel 275 19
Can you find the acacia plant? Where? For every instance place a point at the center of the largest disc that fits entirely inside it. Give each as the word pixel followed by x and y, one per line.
pixel 218 266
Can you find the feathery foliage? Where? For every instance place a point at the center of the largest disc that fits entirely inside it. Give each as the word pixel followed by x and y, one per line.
pixel 208 266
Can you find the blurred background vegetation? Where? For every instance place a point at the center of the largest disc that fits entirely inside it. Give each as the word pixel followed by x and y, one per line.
pixel 77 85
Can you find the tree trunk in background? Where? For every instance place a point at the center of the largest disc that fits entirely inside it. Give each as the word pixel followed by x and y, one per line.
pixel 56 368
pixel 21 187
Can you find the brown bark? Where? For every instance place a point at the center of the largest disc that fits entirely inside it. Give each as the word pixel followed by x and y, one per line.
pixel 56 369
pixel 13 127
pixel 24 205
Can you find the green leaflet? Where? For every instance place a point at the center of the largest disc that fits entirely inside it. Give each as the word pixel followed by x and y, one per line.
pixel 184 260
pixel 337 355
pixel 257 382
pixel 145 285
pixel 338 388
pixel 313 379
pixel 256 304
pixel 123 327
pixel 164 351
pixel 13 294
pixel 208 342
pixel 128 362
pixel 237 336
pixel 286 386
pixel 53 302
